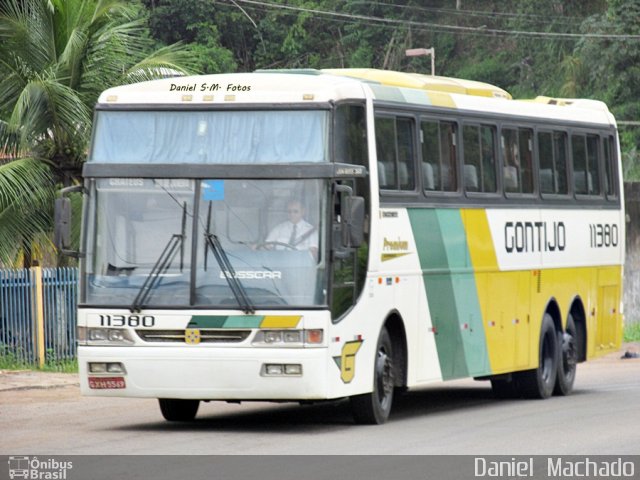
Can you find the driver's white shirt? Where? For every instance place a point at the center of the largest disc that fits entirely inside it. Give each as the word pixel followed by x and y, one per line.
pixel 281 233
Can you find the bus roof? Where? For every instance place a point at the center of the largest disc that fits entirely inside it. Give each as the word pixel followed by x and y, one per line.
pixel 422 82
pixel 272 87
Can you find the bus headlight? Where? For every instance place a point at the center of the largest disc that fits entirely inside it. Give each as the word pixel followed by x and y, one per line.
pixel 104 336
pixel 289 338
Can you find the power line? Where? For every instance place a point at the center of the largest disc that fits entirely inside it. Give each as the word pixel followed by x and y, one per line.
pixel 454 28
pixel 534 18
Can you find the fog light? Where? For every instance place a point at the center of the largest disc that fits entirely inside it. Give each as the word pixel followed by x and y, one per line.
pixel 273 369
pixel 293 369
pixel 115 367
pixel 98 367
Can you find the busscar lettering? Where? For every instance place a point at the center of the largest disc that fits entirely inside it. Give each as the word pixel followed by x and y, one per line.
pixel 252 275
pixel 531 237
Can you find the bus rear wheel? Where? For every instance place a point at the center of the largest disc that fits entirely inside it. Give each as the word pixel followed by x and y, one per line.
pixel 174 410
pixel 374 408
pixel 540 382
pixel 568 359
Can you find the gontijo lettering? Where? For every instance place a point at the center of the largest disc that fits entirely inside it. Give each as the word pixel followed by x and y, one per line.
pixel 534 237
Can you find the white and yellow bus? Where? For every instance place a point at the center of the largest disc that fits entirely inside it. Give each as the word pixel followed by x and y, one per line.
pixel 447 231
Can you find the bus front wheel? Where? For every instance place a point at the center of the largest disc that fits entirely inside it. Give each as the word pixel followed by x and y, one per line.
pixel 374 408
pixel 174 410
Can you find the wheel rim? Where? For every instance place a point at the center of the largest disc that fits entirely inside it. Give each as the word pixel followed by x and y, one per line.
pixel 384 378
pixel 569 354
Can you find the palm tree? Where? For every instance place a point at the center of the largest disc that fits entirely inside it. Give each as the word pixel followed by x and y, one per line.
pixel 56 56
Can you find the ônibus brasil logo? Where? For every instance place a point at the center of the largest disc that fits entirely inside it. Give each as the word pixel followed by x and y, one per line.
pixel 38 469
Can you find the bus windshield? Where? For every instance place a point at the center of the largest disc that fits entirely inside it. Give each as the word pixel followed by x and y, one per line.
pixel 206 243
pixel 211 137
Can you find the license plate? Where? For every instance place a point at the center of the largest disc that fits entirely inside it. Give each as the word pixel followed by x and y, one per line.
pixel 100 383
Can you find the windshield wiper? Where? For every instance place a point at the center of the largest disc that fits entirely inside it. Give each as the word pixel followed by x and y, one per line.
pixel 175 243
pixel 228 272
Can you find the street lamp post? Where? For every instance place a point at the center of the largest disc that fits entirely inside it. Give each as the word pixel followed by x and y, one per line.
pixel 419 52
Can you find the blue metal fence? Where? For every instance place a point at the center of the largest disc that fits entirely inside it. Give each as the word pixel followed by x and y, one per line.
pixel 59 291
pixel 19 308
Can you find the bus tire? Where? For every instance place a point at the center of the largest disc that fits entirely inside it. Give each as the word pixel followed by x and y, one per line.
pixel 540 382
pixel 568 359
pixel 374 408
pixel 174 410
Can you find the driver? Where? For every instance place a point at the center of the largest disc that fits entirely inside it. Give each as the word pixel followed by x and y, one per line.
pixel 295 232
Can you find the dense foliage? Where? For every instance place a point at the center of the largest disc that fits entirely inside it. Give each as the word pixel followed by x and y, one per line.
pixel 57 55
pixel 558 48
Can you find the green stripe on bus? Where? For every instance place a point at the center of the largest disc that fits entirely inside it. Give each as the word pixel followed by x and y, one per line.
pixel 451 292
pixel 225 321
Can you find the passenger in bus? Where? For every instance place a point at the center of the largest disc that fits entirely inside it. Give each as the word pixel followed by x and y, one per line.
pixel 295 232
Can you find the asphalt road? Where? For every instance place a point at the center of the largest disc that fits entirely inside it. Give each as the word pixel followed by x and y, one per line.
pixel 460 417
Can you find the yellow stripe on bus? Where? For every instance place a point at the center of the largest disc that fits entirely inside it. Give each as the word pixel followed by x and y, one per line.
pixel 280 321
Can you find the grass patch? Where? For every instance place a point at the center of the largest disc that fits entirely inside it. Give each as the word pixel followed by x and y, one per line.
pixel 632 332
pixel 12 359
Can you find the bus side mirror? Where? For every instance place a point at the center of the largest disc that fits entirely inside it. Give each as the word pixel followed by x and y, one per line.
pixel 62 216
pixel 62 219
pixel 353 222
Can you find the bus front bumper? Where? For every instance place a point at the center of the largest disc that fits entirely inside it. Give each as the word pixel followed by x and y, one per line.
pixel 204 373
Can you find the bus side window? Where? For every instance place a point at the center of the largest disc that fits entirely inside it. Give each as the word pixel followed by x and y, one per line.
pixel 448 156
pixel 430 155
pixel 395 145
pixel 385 145
pixel 552 158
pixel 579 159
pixel 439 156
pixel 593 166
pixel 548 174
pixel 489 158
pixel 525 140
pixel 472 163
pixel 586 167
pixel 351 134
pixel 406 173
pixel 479 158
pixel 609 167
pixel 509 141
pixel 560 162
pixel 517 147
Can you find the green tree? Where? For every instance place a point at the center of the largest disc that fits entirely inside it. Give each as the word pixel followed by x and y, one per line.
pixel 613 73
pixel 192 22
pixel 56 56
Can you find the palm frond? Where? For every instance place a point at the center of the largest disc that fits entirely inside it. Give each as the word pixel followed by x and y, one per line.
pixel 46 106
pixel 173 57
pixel 27 191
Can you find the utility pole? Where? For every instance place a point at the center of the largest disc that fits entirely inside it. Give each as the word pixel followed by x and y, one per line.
pixel 419 52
